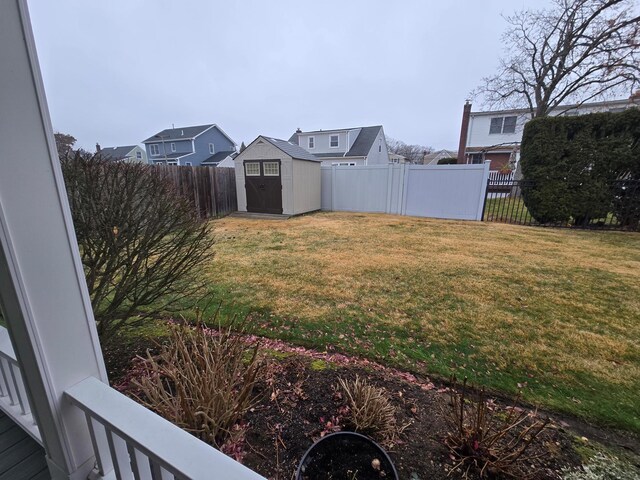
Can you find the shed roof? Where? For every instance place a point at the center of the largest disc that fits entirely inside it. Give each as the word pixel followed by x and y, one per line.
pixel 291 149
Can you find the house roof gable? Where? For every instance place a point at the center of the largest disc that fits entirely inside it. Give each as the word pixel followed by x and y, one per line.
pixel 361 146
pixel 184 133
pixel 116 153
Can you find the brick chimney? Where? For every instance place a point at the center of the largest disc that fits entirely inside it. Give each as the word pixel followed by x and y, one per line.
pixel 97 147
pixel 464 128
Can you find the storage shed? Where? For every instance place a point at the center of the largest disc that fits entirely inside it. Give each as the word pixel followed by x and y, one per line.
pixel 275 176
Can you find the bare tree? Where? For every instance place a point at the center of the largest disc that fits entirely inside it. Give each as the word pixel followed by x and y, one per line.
pixel 141 243
pixel 575 52
pixel 413 153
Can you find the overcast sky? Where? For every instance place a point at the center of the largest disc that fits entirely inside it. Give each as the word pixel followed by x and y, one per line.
pixel 119 71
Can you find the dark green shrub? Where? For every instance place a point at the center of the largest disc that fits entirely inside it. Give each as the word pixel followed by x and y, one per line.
pixel 573 162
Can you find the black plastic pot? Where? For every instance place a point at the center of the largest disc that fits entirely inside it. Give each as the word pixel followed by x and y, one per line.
pixel 346 455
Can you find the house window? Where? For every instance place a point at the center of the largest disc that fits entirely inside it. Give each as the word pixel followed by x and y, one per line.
pixel 503 125
pixel 271 169
pixel 509 125
pixel 139 155
pixel 312 142
pixel 334 141
pixel 212 149
pixel 379 146
pixel 172 163
pixel 476 158
pixel 173 147
pixel 154 148
pixel 188 164
pixel 252 169
pixel 344 164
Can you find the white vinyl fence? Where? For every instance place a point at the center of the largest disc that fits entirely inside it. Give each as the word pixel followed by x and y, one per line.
pixel 438 191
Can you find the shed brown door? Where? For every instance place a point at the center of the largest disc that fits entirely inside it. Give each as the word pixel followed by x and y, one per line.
pixel 263 184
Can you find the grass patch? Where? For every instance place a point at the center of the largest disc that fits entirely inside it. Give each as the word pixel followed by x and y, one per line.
pixel 554 311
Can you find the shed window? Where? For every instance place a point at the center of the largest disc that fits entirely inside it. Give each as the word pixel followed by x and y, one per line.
pixel 333 141
pixel 271 169
pixel 312 142
pixel 252 169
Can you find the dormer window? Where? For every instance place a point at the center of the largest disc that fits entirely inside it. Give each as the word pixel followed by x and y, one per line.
pixel 312 142
pixel 154 148
pixel 334 141
pixel 212 149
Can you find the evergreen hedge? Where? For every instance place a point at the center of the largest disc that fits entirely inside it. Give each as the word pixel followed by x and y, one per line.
pixel 575 164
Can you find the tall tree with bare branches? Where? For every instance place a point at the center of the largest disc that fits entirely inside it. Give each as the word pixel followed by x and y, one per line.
pixel 575 52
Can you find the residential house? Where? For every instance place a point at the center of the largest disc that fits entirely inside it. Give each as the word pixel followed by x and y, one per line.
pixel 496 135
pixel 434 157
pixel 396 158
pixel 53 381
pixel 128 153
pixel 189 146
pixel 347 146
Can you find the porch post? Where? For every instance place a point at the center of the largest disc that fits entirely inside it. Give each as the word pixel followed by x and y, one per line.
pixel 43 294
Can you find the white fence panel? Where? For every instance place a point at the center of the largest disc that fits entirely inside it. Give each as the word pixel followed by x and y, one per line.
pixel 439 191
pixel 445 191
pixel 360 188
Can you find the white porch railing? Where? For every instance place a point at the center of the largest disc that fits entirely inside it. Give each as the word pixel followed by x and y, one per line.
pixel 131 442
pixel 13 395
pixel 495 177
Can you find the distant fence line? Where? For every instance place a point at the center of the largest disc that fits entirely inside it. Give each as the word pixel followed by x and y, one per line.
pixel 212 189
pixel 437 191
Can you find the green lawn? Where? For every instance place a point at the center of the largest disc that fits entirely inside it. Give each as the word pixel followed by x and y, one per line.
pixel 555 311
pixel 507 210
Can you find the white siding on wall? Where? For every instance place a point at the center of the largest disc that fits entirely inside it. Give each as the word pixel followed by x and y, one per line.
pixel 300 179
pixel 479 135
pixel 375 157
pixel 264 151
pixel 306 186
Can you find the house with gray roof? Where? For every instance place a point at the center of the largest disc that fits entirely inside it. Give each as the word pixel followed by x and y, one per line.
pixel 190 146
pixel 346 146
pixel 126 153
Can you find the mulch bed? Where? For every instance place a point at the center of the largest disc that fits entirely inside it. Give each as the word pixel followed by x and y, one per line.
pixel 297 405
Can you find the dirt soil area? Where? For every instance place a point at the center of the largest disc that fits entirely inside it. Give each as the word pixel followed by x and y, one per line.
pixel 298 403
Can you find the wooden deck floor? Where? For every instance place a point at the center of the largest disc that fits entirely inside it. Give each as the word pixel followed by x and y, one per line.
pixel 21 457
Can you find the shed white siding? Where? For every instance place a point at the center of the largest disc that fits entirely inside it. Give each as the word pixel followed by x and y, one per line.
pixel 263 150
pixel 306 186
pixel 300 178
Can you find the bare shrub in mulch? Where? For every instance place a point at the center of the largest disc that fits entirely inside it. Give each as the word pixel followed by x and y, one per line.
pixel 489 443
pixel 369 410
pixel 201 382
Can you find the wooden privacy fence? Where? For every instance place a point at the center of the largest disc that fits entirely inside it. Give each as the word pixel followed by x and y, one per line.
pixel 212 189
